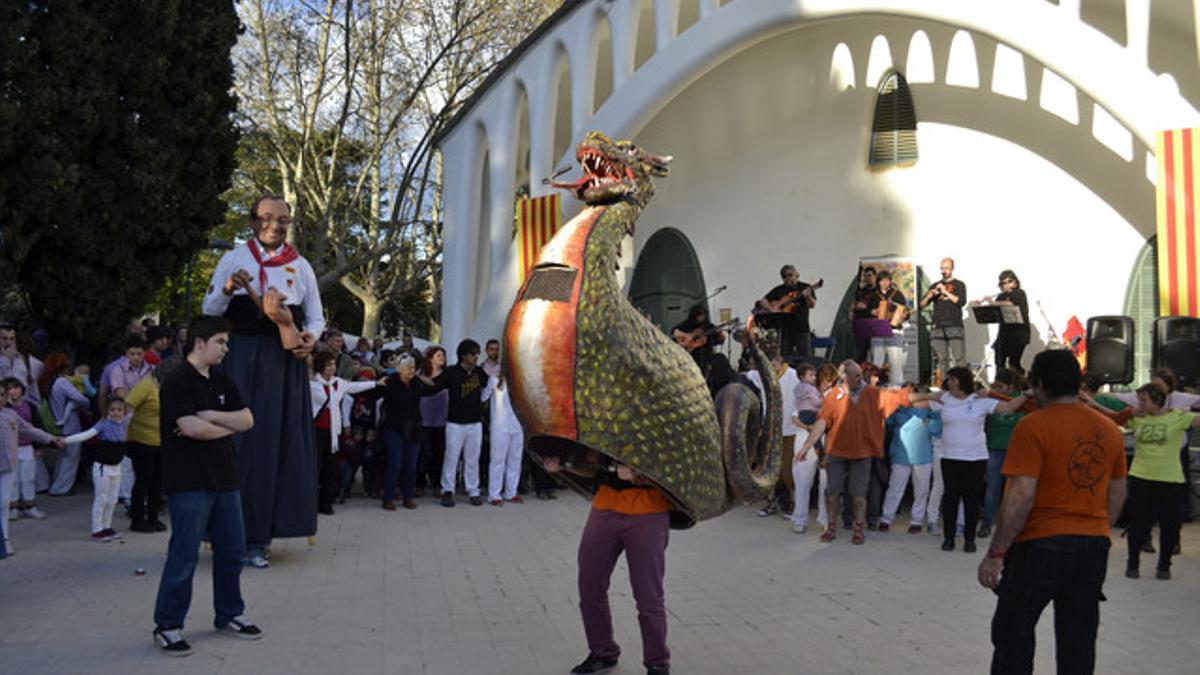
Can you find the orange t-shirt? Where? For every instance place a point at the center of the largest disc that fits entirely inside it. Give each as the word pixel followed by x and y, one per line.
pixel 855 430
pixel 637 501
pixel 1074 452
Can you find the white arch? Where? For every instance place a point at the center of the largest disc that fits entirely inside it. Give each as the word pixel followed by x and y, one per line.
pixel 841 68
pixel 962 66
pixel 879 61
pixel 919 68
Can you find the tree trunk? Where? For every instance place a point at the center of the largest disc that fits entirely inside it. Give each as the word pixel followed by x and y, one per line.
pixel 372 308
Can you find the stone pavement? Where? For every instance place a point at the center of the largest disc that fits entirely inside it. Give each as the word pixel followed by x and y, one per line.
pixel 476 591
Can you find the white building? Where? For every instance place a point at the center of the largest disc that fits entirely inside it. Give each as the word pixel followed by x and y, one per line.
pixel 1036 123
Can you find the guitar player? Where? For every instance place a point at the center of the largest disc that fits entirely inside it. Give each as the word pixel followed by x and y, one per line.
pixel 787 305
pixel 866 300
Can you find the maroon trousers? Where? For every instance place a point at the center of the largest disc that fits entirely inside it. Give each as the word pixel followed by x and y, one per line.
pixel 644 541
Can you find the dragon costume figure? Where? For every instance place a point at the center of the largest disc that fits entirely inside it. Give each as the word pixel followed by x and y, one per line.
pixel 589 374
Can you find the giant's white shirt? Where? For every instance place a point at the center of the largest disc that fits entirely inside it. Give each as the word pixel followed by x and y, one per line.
pixel 296 281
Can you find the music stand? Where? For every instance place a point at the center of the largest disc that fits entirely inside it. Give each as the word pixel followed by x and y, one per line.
pixel 872 328
pixel 1005 314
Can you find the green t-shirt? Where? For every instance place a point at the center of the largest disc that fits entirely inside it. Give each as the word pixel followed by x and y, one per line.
pixel 1000 427
pixel 1159 438
pixel 1111 402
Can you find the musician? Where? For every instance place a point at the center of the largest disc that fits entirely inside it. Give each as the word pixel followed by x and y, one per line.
pixel 1013 337
pixel 946 339
pixel 866 300
pixel 891 307
pixel 697 334
pixel 791 301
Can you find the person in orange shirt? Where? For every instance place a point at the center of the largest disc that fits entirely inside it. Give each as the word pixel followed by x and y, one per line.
pixel 631 515
pixel 1065 471
pixel 853 413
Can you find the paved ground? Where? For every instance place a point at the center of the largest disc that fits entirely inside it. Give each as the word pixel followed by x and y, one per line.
pixel 484 590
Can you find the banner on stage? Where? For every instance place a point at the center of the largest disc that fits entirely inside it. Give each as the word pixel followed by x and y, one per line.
pixel 538 218
pixel 1178 157
pixel 904 275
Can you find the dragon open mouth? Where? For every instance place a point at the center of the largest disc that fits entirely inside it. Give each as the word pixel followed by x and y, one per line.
pixel 598 171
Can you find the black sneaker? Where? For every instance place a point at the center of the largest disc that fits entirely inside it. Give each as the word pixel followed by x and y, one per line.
pixel 1162 574
pixel 595 664
pixel 476 501
pixel 985 531
pixel 448 499
pixel 1132 573
pixel 240 627
pixel 968 546
pixel 142 526
pixel 158 525
pixel 948 545
pixel 658 670
pixel 171 641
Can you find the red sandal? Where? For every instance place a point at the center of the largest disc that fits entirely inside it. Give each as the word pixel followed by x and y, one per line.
pixel 859 537
pixel 829 534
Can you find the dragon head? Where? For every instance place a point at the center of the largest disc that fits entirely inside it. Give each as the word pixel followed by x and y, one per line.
pixel 614 171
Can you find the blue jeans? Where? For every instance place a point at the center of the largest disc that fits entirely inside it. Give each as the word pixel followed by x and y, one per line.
pixel 995 486
pixel 194 515
pixel 402 455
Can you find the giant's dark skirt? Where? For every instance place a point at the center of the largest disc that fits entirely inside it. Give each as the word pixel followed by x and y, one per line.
pixel 276 459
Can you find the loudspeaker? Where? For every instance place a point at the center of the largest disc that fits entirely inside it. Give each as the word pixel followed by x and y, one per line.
pixel 1110 348
pixel 1177 346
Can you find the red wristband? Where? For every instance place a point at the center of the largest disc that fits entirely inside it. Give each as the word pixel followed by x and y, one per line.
pixel 996 554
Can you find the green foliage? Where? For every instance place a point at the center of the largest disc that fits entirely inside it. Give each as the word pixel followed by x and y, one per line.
pixel 115 145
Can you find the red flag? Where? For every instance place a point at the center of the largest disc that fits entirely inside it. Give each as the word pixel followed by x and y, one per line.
pixel 1076 331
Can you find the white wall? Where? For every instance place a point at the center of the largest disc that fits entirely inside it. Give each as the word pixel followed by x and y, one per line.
pixel 770 169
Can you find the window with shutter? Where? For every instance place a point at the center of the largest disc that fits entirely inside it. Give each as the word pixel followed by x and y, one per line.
pixel 894 133
pixel 1141 303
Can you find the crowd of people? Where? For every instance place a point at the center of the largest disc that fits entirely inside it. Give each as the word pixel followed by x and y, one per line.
pixel 256 418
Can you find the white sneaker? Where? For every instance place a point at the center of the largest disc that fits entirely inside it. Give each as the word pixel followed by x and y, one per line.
pixel 13 514
pixel 799 529
pixel 33 512
pixel 257 561
pixel 8 546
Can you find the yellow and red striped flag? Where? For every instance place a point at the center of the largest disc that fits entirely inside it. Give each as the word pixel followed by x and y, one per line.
pixel 538 218
pixel 1178 154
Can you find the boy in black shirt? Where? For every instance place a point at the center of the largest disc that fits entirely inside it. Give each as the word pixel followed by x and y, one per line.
pixel 469 387
pixel 200 411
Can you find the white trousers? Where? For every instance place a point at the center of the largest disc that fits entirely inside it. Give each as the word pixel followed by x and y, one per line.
pixel 106 478
pixel 64 473
pixel 127 476
pixel 504 468
pixel 898 481
pixel 26 474
pixel 8 479
pixel 462 440
pixel 891 349
pixel 802 475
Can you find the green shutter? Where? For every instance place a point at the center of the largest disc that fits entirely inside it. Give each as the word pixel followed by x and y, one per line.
pixel 894 132
pixel 1141 303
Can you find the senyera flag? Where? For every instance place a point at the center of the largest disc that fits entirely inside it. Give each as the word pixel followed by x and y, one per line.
pixel 538 218
pixel 1178 235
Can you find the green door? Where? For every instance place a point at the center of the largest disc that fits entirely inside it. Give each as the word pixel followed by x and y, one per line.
pixel 667 279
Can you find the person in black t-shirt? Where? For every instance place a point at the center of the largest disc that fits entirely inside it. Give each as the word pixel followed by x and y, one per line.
pixel 788 304
pixel 946 338
pixel 698 335
pixel 1013 337
pixel 469 387
pixel 200 412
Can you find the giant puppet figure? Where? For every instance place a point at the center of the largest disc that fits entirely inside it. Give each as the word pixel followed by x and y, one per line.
pixel 270 295
pixel 589 374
